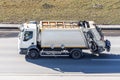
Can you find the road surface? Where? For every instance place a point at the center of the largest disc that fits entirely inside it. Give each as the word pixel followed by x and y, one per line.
pixel 15 66
pixel 11 62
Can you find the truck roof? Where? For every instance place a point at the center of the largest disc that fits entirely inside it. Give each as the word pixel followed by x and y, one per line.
pixel 60 24
pixel 65 24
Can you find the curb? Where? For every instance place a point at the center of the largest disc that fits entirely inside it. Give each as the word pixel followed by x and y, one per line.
pixel 103 27
pixel 61 74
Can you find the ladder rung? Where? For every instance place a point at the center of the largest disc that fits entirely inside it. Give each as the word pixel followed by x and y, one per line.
pixel 57 24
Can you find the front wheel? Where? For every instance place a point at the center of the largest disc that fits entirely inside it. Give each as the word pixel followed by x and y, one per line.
pixel 76 53
pixel 33 54
pixel 93 47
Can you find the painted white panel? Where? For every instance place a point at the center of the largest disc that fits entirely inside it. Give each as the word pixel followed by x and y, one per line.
pixel 60 37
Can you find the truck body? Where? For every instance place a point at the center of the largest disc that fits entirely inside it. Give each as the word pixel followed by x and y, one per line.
pixel 60 38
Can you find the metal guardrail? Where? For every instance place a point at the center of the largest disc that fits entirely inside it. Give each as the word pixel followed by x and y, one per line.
pixel 109 27
pixel 9 26
pixel 16 26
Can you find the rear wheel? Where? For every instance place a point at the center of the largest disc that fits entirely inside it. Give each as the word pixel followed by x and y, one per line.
pixel 33 54
pixel 76 53
pixel 93 47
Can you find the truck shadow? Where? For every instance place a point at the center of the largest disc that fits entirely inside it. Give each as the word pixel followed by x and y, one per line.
pixel 105 63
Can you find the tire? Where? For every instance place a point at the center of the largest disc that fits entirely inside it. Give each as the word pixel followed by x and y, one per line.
pixel 33 54
pixel 76 54
pixel 93 47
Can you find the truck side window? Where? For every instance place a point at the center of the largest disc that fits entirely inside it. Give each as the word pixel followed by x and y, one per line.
pixel 28 35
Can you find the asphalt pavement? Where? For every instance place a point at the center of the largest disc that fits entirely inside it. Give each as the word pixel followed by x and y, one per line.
pixel 12 62
pixel 14 65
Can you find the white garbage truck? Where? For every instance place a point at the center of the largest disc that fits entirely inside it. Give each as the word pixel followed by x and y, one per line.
pixel 60 38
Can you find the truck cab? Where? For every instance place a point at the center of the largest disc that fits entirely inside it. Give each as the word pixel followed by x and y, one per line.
pixel 27 37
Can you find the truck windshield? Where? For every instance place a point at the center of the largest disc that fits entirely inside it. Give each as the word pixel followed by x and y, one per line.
pixel 28 35
pixel 20 34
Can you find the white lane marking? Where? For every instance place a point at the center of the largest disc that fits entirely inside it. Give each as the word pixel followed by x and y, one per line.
pixel 105 59
pixel 62 74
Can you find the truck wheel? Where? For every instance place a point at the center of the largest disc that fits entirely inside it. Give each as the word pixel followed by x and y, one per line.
pixel 76 53
pixel 33 54
pixel 93 47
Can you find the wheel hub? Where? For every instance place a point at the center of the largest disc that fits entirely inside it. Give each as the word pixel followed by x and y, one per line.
pixel 33 54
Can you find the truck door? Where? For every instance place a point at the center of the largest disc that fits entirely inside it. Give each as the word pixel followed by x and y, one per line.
pixel 28 39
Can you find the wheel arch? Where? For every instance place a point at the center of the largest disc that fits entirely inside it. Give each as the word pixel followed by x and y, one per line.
pixel 79 49
pixel 79 53
pixel 32 48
